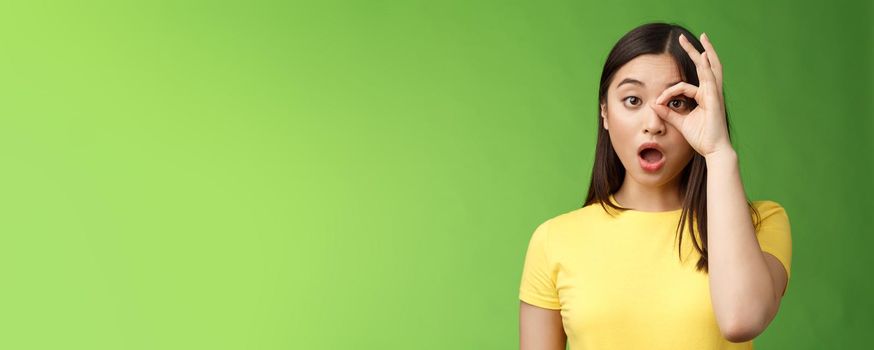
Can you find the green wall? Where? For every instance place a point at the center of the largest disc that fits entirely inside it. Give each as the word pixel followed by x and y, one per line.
pixel 367 174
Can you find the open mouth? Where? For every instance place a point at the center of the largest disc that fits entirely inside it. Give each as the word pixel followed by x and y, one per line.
pixel 651 159
pixel 651 155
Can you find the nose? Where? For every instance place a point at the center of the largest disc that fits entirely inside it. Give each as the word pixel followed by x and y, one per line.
pixel 653 124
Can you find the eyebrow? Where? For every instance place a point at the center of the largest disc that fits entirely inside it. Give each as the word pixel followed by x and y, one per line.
pixel 638 82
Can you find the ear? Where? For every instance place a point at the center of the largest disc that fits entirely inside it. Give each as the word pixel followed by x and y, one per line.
pixel 604 115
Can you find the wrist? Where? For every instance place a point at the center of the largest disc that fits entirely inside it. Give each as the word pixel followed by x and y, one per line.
pixel 725 153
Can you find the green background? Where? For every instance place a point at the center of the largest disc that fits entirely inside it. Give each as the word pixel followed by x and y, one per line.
pixel 367 174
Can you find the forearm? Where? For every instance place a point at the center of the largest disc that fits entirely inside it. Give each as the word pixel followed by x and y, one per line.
pixel 740 284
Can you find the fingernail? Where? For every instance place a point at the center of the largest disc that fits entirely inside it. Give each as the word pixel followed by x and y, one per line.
pixel 705 36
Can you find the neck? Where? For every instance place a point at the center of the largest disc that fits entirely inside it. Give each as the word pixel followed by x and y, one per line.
pixel 634 195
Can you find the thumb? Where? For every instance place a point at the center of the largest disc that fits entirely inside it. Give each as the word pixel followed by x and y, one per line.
pixel 673 118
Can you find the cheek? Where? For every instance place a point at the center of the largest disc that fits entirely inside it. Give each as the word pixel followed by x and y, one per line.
pixel 676 139
pixel 622 131
pixel 621 124
pixel 624 146
pixel 683 154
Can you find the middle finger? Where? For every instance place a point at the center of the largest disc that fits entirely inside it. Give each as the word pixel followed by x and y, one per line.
pixel 704 72
pixel 715 63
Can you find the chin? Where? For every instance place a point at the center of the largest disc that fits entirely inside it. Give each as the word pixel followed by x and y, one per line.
pixel 654 179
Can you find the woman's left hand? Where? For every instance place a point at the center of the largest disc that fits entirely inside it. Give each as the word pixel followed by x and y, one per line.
pixel 704 127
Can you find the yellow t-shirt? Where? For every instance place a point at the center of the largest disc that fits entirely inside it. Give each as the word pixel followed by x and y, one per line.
pixel 619 281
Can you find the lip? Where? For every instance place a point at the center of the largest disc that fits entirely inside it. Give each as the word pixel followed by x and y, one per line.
pixel 651 167
pixel 654 145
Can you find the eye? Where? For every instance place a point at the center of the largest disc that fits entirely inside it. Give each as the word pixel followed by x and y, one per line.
pixel 632 98
pixel 677 103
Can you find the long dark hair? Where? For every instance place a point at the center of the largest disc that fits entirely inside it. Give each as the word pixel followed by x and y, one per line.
pixel 608 172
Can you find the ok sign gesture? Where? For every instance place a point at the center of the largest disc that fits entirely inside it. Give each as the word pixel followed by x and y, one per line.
pixel 705 127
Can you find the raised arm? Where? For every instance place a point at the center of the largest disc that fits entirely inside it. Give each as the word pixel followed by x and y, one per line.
pixel 746 284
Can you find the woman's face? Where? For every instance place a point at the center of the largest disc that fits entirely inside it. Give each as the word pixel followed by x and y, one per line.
pixel 631 121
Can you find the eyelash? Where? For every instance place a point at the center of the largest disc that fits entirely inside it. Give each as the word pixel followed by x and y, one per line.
pixel 685 103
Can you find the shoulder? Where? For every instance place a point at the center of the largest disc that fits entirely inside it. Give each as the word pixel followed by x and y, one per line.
pixel 770 213
pixel 767 204
pixel 573 221
pixel 767 208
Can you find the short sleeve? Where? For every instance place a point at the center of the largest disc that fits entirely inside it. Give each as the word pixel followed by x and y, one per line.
pixel 774 234
pixel 539 272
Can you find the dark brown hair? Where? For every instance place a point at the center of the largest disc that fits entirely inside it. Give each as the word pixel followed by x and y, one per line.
pixel 608 172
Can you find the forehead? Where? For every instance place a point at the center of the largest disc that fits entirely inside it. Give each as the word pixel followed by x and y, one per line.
pixel 655 71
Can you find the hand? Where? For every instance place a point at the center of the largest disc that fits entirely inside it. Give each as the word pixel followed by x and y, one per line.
pixel 704 128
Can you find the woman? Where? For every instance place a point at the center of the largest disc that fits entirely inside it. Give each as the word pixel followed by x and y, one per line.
pixel 616 274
